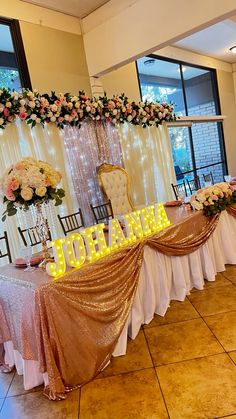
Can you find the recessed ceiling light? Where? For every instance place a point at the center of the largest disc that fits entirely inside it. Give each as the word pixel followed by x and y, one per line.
pixel 233 49
pixel 150 61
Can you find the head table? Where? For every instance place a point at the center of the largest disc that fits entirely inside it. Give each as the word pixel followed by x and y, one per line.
pixel 63 333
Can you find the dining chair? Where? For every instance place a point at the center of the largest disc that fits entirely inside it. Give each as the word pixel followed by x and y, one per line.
pixel 102 212
pixel 194 184
pixel 179 190
pixel 30 236
pixel 71 222
pixel 208 177
pixel 6 247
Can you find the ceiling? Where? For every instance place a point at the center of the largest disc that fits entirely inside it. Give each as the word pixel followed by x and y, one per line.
pixel 213 41
pixel 77 8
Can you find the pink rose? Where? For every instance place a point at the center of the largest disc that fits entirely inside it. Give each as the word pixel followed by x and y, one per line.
pixel 58 102
pixel 10 195
pixel 22 115
pixel 13 185
pixel 214 197
pixel 6 111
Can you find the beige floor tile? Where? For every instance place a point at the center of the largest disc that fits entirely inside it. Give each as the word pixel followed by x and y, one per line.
pixel 177 312
pixel 37 406
pixel 220 281
pixel 135 395
pixel 224 328
pixel 230 273
pixel 5 381
pixel 181 341
pixel 215 300
pixel 233 356
pixel 17 388
pixel 137 357
pixel 199 389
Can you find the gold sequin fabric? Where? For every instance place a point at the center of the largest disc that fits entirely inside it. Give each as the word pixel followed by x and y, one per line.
pixel 74 322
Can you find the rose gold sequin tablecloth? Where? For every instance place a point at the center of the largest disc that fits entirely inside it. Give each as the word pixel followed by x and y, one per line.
pixel 85 312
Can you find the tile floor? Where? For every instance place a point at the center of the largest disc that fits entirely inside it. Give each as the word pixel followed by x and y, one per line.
pixel 180 366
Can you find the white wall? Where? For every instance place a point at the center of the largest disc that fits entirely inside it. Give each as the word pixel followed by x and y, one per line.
pixel 144 26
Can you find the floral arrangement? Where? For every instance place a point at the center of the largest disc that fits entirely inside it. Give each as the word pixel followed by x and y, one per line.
pixel 27 182
pixel 213 199
pixel 66 109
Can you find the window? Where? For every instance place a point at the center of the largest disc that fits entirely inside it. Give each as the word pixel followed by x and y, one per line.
pixel 13 67
pixel 198 149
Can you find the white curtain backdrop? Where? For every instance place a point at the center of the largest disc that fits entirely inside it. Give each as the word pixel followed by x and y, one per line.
pixel 148 160
pixel 76 153
pixel 47 144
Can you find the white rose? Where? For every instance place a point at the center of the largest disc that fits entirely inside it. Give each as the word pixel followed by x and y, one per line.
pixel 115 112
pixel 22 102
pixel 144 113
pixel 144 120
pixel 95 105
pixel 107 114
pixel 53 119
pixel 41 191
pixel 88 109
pixel 129 118
pixel 38 120
pixel 27 193
pixel 67 117
pixel 1 121
pixel 1 109
pixel 97 117
pixel 197 205
pixel 142 104
pixel 33 116
pixel 54 107
pixel 31 104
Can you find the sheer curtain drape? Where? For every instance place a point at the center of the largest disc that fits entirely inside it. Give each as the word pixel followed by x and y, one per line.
pixel 148 160
pixel 87 148
pixel 18 140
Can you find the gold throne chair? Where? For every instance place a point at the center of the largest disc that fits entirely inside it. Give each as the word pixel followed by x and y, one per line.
pixel 115 184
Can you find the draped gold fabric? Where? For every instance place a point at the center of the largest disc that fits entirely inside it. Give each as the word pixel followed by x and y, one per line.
pixel 80 317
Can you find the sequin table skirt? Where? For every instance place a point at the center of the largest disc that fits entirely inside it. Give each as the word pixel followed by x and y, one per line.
pixel 162 279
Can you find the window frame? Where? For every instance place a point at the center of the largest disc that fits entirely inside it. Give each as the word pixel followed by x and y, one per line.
pixel 19 51
pixel 217 105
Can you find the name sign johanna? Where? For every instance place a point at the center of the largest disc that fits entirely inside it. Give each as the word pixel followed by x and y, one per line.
pixel 90 243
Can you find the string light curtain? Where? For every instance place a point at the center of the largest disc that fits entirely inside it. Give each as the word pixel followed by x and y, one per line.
pixel 87 148
pixel 149 163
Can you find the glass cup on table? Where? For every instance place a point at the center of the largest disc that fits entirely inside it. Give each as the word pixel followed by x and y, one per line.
pixel 227 178
pixel 182 195
pixel 26 254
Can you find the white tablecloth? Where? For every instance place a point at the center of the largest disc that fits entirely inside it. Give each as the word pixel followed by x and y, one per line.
pixel 162 279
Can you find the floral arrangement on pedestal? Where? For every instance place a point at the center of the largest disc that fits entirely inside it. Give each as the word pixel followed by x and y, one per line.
pixel 29 182
pixel 213 199
pixel 66 109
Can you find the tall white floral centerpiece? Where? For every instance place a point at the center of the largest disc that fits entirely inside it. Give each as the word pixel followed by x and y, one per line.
pixel 31 182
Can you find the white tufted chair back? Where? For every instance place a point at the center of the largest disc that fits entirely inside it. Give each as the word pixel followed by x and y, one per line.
pixel 115 184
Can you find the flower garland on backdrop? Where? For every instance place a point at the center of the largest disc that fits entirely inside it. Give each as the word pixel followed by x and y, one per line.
pixel 29 182
pixel 66 109
pixel 213 199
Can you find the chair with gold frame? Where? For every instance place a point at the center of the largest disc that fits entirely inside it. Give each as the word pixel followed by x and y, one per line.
pixel 115 184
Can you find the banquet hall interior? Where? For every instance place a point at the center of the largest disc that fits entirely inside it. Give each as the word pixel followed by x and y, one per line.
pixel 118 209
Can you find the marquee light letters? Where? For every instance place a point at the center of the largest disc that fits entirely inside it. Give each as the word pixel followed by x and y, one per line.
pixel 90 244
